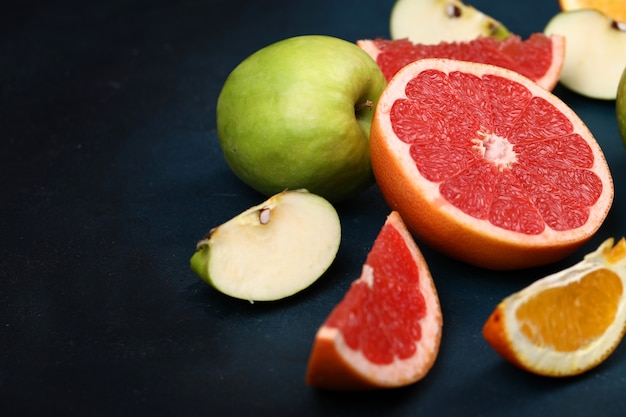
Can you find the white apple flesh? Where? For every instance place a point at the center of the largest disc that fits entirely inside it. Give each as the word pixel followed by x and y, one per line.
pixel 272 250
pixel 433 21
pixel 595 52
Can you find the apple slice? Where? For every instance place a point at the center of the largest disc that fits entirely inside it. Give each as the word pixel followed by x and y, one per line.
pixel 434 21
pixel 595 52
pixel 272 250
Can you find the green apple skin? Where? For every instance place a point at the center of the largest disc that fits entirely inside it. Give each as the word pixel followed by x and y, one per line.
pixel 433 21
pixel 620 106
pixel 297 114
pixel 595 52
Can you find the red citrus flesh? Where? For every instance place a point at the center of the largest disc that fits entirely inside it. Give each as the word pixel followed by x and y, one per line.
pixel 487 166
pixel 539 57
pixel 386 330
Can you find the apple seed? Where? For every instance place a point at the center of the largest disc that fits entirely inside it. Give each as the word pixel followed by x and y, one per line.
pixel 264 215
pixel 453 10
pixel 619 25
pixel 493 28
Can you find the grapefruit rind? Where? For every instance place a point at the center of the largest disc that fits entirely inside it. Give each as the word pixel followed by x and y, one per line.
pixel 335 365
pixel 446 227
pixel 502 329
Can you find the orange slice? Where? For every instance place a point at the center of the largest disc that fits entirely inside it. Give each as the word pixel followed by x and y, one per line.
pixel 615 9
pixel 539 57
pixel 487 166
pixel 568 322
pixel 386 331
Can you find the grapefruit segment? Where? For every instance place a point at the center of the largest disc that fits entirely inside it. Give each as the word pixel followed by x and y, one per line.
pixel 539 57
pixel 507 178
pixel 386 331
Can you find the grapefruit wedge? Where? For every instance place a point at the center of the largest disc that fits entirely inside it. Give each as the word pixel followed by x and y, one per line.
pixel 386 331
pixel 539 57
pixel 486 166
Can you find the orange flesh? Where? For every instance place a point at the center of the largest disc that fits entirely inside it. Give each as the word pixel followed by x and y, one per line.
pixel 532 57
pixel 516 163
pixel 616 9
pixel 569 318
pixel 382 321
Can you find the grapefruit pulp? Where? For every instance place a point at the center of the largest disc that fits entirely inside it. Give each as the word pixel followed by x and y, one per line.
pixel 539 57
pixel 386 331
pixel 486 166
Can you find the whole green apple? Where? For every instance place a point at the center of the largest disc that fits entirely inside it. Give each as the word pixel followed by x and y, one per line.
pixel 297 114
pixel 620 106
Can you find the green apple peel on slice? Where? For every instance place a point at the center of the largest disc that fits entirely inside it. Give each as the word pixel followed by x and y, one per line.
pixel 272 250
pixel 435 21
pixel 595 52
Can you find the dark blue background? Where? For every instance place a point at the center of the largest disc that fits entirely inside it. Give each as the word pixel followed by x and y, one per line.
pixel 110 171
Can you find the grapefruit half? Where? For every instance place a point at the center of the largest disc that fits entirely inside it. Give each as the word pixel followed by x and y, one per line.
pixel 386 331
pixel 486 166
pixel 539 57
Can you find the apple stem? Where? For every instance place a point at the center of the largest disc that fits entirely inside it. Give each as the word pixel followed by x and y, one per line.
pixel 367 105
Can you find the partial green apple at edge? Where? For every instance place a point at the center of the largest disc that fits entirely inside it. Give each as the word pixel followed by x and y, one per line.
pixel 620 106
pixel 595 52
pixel 435 21
pixel 297 114
pixel 272 250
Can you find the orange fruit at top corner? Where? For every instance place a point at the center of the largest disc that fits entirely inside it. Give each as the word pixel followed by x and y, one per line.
pixel 566 323
pixel 486 166
pixel 615 9
pixel 539 57
pixel 386 331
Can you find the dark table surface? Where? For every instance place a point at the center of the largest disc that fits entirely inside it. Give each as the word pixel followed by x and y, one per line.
pixel 110 173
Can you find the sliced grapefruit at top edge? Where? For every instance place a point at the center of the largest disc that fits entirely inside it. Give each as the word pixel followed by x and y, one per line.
pixel 386 331
pixel 539 57
pixel 486 166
